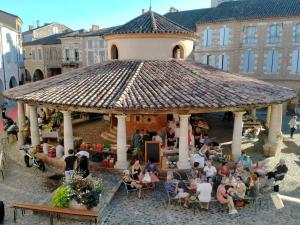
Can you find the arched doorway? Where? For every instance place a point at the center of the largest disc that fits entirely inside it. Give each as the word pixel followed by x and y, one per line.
pixel 38 75
pixel 114 52
pixel 178 52
pixel 13 82
pixel 27 76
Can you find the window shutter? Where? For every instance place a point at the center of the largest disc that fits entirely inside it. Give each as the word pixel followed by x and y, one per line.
pixel 294 61
pixel 275 61
pixel 226 35
pixel 222 35
pixel 269 61
pixel 246 61
pixel 209 37
pixel 225 63
pixel 213 61
pixel 221 61
pixel 298 61
pixel 204 59
pixel 204 38
pixel 251 61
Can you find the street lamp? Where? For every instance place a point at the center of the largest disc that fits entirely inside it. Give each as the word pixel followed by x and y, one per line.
pixel 277 200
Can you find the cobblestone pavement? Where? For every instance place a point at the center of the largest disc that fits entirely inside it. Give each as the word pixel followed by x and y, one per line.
pixel 152 209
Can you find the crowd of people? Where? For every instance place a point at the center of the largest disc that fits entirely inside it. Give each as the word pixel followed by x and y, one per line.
pixel 232 185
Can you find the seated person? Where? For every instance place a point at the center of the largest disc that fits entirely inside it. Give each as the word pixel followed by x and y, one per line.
pixel 230 181
pixel 179 193
pixel 245 160
pixel 196 174
pixel 131 184
pixel 224 198
pixel 224 170
pixel 204 189
pixel 151 167
pixel 210 171
pixel 171 140
pixel 136 170
pixel 278 173
pixel 240 189
pixel 251 183
pixel 199 158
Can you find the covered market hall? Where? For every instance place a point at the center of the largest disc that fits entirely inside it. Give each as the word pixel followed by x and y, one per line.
pixel 150 72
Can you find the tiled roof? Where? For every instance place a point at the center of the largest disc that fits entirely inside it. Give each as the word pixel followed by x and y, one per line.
pixel 137 85
pixel 252 9
pixel 100 32
pixel 151 22
pixel 188 18
pixel 49 40
pixel 46 24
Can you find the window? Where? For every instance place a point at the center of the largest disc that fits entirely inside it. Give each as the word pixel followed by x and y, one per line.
pixel 250 33
pixel 296 61
pixel 67 54
pixel 33 54
pixel 40 54
pixel 114 52
pixel 209 60
pixel 55 30
pixel 297 33
pixel 76 54
pixel 224 36
pixel 101 43
pixel 274 34
pixel 102 56
pixel 207 36
pixel 272 61
pixel 248 66
pixel 223 62
pixel 90 44
pixel 90 57
pixel 178 52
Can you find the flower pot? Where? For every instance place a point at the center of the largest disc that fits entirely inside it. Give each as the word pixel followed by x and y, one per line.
pixel 74 205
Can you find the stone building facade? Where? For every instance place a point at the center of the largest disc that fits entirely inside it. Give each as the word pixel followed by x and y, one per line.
pixel 263 43
pixel 11 59
pixel 44 31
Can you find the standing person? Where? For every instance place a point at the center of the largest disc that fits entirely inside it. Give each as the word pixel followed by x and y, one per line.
pixel 70 164
pixel 197 137
pixel 43 115
pixel 83 167
pixel 177 134
pixel 59 150
pixel 137 143
pixel 293 125
pixel 171 138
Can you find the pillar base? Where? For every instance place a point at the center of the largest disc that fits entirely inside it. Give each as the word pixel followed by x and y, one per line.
pixel 122 165
pixel 272 149
pixel 183 165
pixel 20 139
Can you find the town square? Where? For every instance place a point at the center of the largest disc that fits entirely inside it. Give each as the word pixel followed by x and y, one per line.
pixel 160 112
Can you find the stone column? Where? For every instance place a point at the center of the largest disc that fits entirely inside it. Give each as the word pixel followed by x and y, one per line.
pixel 68 132
pixel 274 142
pixel 34 127
pixel 268 117
pixel 237 135
pixel 253 114
pixel 122 162
pixel 183 162
pixel 21 122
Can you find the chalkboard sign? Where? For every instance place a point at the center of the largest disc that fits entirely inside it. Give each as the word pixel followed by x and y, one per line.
pixel 152 151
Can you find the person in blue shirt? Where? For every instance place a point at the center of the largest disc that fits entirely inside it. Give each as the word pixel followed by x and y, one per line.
pixel 151 167
pixel 175 191
pixel 246 160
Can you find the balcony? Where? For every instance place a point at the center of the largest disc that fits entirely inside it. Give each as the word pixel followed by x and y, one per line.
pixel 70 63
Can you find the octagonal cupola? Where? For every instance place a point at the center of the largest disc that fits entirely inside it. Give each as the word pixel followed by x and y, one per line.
pixel 150 37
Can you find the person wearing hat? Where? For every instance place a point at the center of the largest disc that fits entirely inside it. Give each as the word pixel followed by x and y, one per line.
pixel 278 173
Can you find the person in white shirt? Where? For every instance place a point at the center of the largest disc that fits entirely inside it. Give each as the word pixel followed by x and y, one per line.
pixel 199 159
pixel 204 189
pixel 210 170
pixel 45 147
pixel 293 125
pixel 59 150
pixel 157 138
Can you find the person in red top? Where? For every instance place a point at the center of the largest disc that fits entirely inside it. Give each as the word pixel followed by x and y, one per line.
pixel 224 170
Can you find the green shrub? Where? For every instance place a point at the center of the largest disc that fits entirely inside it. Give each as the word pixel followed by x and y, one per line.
pixel 60 198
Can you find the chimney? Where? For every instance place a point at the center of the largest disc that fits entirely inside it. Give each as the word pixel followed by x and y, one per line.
pixel 95 28
pixel 144 11
pixel 30 27
pixel 173 9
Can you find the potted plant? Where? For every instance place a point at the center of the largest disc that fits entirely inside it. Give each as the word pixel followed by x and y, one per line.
pixel 78 193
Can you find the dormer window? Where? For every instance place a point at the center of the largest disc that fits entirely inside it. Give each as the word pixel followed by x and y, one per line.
pixel 178 52
pixel 114 52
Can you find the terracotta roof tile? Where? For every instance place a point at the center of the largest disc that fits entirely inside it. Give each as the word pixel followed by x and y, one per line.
pixel 150 84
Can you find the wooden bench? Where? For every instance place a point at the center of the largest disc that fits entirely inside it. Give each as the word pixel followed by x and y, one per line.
pixel 54 211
